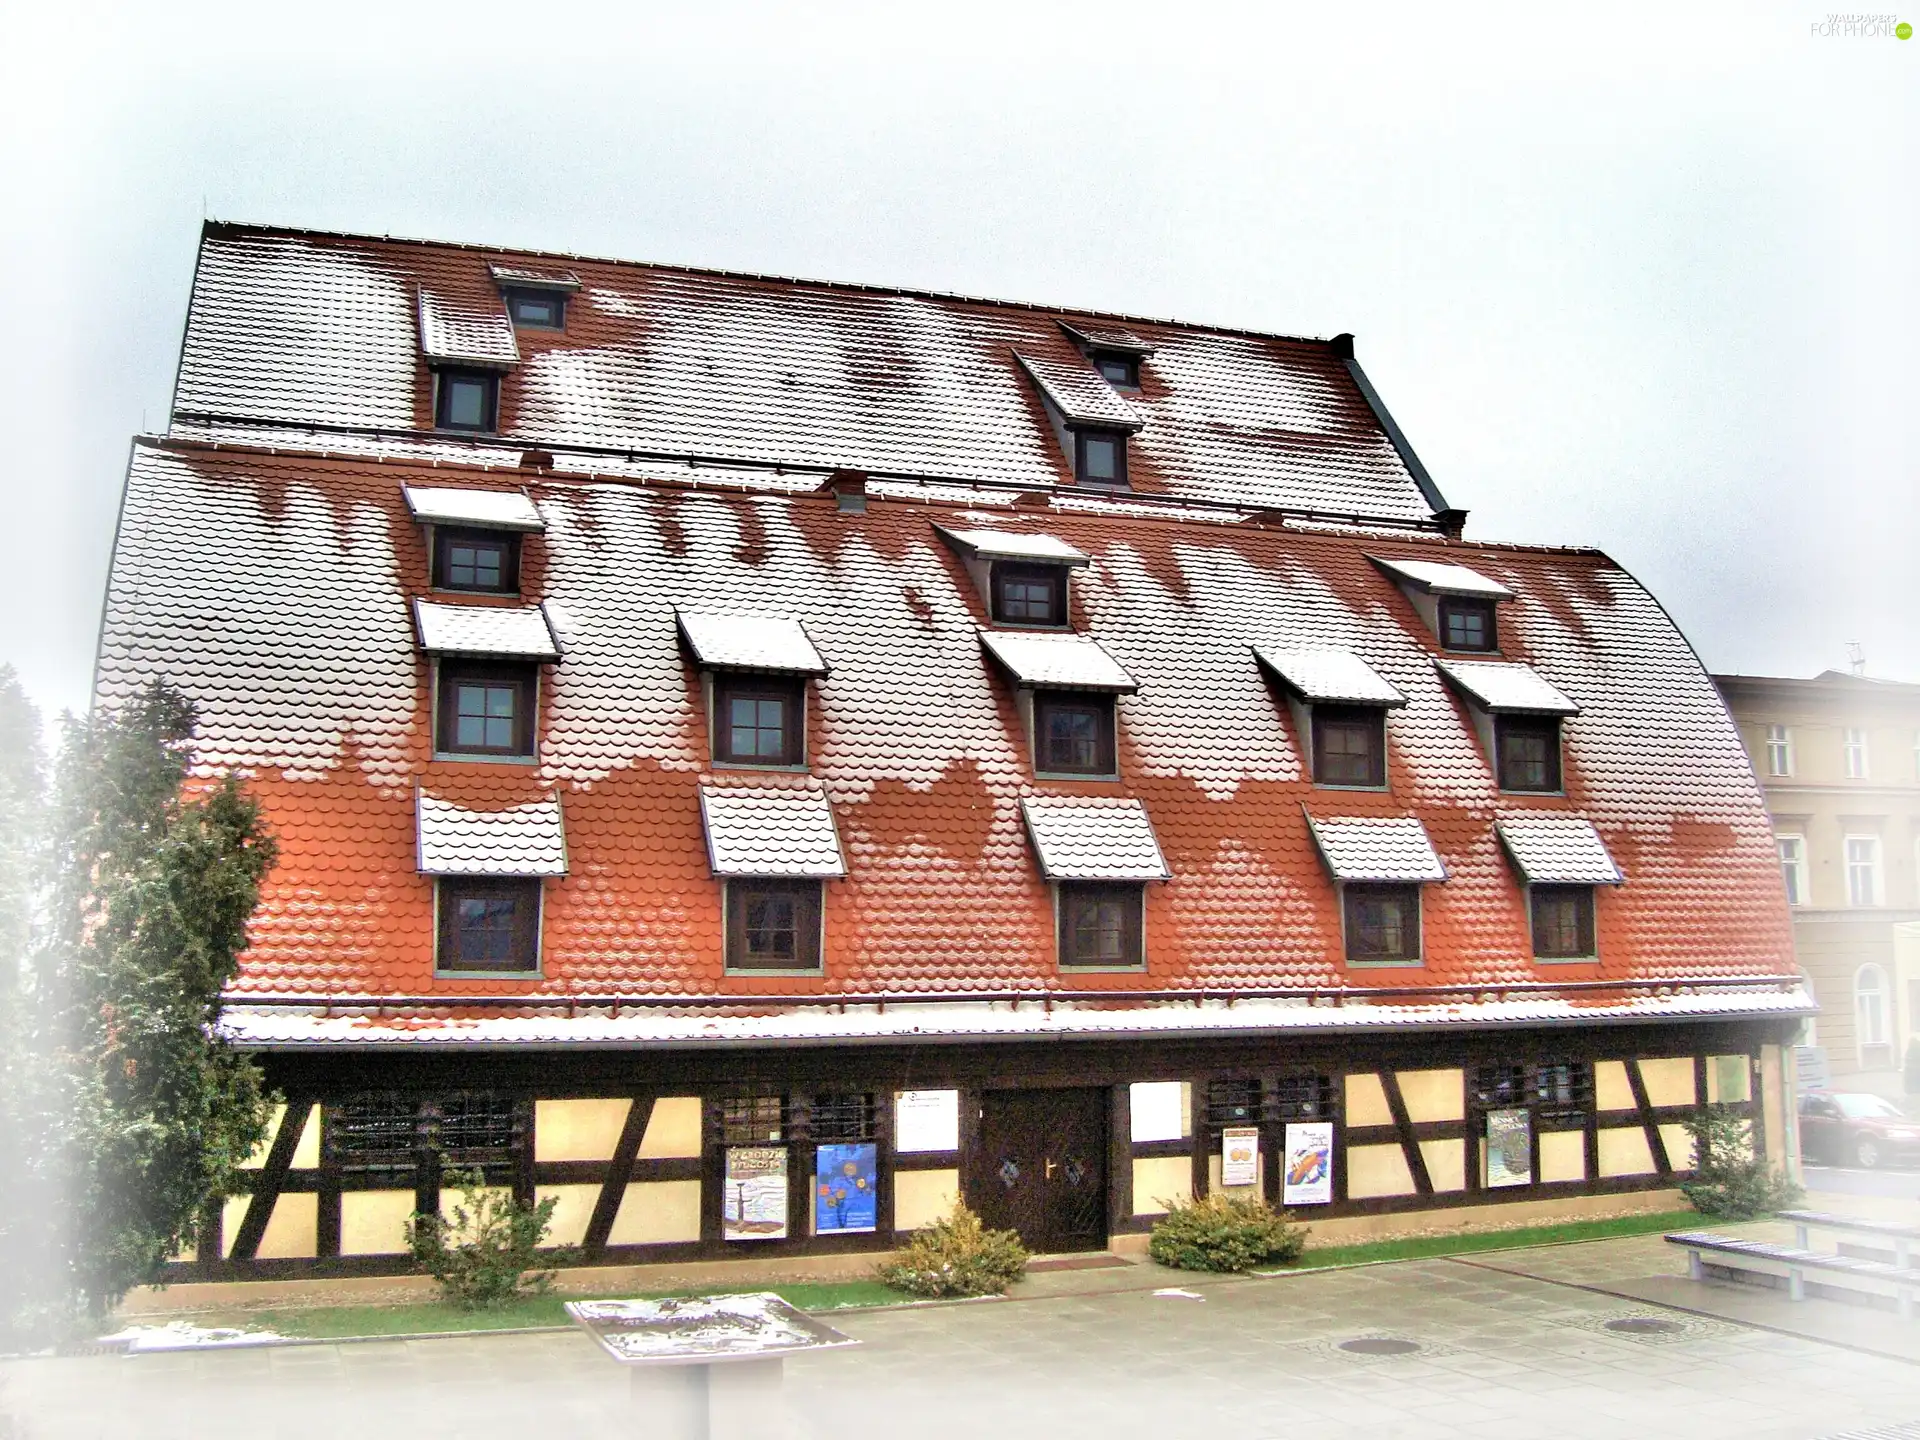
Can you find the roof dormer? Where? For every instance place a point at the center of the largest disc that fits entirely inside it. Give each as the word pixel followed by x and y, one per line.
pixel 474 536
pixel 1023 578
pixel 1116 354
pixel 1460 606
pixel 1089 418
pixel 535 299
pixel 1339 705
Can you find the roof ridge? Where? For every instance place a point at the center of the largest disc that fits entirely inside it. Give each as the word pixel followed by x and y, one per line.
pixel 1346 532
pixel 852 286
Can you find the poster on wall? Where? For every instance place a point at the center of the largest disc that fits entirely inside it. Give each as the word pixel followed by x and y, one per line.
pixel 1239 1157
pixel 926 1120
pixel 1308 1177
pixel 1159 1110
pixel 754 1203
pixel 1509 1148
pixel 843 1189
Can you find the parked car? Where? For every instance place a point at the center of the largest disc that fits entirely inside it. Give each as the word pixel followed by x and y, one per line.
pixel 1841 1128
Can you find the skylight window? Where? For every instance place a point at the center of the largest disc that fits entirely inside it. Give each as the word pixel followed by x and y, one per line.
pixel 1100 457
pixel 536 309
pixel 1120 370
pixel 483 561
pixel 466 400
pixel 1029 594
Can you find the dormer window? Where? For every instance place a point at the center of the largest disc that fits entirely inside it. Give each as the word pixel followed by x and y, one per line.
pixel 1068 686
pixel 759 720
pixel 486 562
pixel 1029 594
pixel 1073 733
pixel 466 400
pixel 1528 748
pixel 536 309
pixel 756 669
pixel 1468 624
pixel 487 679
pixel 1122 371
pixel 1100 457
pixel 1340 704
pixel 1518 716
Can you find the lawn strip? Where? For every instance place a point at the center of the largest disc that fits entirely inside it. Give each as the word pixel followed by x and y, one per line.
pixel 1429 1247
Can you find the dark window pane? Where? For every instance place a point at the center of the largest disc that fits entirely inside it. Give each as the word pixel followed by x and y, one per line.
pixel 843 1119
pixel 484 715
pixel 1029 594
pixel 1529 753
pixel 1562 921
pixel 466 402
pixel 770 928
pixel 1467 624
pixel 773 925
pixel 1118 369
pixel 483 932
pixel 754 1120
pixel 1495 1086
pixel 759 721
pixel 476 560
pixel 537 309
pixel 1100 458
pixel 1348 746
pixel 1233 1102
pixel 1303 1097
pixel 476 1127
pixel 1075 734
pixel 372 1132
pixel 1100 924
pixel 1383 922
pixel 489 924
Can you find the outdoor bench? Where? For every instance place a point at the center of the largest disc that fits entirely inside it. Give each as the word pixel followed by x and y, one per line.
pixel 1797 1261
pixel 1902 1236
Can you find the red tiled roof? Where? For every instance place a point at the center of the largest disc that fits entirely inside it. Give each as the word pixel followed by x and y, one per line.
pixel 275 590
pixel 297 329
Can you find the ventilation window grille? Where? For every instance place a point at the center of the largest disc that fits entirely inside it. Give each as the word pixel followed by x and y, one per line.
pixel 1233 1101
pixel 754 1120
pixel 843 1119
pixel 1303 1097
pixel 1563 1089
pixel 1498 1086
pixel 373 1132
pixel 476 1129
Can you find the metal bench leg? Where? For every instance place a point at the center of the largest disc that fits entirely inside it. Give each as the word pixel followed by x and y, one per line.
pixel 1695 1269
pixel 1796 1285
pixel 1801 1239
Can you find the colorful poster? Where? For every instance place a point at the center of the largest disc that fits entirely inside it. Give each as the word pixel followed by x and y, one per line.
pixel 843 1189
pixel 754 1206
pixel 925 1120
pixel 1509 1148
pixel 1308 1177
pixel 1239 1157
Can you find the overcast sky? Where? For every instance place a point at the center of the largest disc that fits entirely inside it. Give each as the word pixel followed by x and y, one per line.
pixel 1626 277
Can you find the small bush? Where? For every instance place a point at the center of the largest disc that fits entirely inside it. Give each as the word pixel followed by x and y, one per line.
pixel 1225 1233
pixel 483 1253
pixel 1730 1180
pixel 954 1257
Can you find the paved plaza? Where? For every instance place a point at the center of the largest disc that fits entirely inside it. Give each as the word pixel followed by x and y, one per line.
pixel 1518 1344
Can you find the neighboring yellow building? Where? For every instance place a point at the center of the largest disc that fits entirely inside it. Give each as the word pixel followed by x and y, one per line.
pixel 1839 759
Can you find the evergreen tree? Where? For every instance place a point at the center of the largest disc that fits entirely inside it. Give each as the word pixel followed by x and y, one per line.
pixel 140 1111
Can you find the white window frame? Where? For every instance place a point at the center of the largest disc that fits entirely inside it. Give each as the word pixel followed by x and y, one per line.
pixel 1871 867
pixel 1779 751
pixel 1872 1017
pixel 1793 867
pixel 1853 747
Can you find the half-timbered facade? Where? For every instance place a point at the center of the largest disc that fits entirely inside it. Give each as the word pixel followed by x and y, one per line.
pixel 759 759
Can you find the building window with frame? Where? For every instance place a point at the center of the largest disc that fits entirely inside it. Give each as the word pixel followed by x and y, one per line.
pixel 477 1129
pixel 1349 746
pixel 1100 926
pixel 759 720
pixel 1563 1094
pixel 1870 1009
pixel 1562 922
pixel 1100 457
pixel 466 400
pixel 1122 371
pixel 1382 924
pixel 1779 750
pixel 1029 594
pixel 1793 866
pixel 1304 1097
pixel 773 925
pixel 1528 751
pixel 848 1118
pixel 754 1120
pixel 378 1132
pixel 1467 624
pixel 486 709
pixel 1233 1100
pixel 488 925
pixel 536 309
pixel 1854 747
pixel 486 562
pixel 1073 733
pixel 1863 871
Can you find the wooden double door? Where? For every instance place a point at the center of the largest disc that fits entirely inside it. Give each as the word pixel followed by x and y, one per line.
pixel 1041 1167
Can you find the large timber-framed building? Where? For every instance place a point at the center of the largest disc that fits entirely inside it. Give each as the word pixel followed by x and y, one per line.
pixel 756 759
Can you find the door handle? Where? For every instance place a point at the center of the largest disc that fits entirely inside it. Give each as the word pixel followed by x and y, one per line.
pixel 1052 1165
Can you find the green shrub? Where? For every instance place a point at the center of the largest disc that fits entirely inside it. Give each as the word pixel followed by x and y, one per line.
pixel 1731 1180
pixel 954 1257
pixel 482 1253
pixel 1225 1233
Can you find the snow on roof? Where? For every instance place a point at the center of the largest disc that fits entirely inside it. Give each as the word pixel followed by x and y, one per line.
pixel 1505 688
pixel 1435 577
pixel 778 832
pixel 1080 393
pixel 1553 849
pixel 493 631
pixel 1330 677
pixel 1107 337
pixel 1090 838
pixel 1010 545
pixel 722 641
pixel 460 332
pixel 535 279
pixel 528 839
pixel 1378 848
pixel 1045 1014
pixel 1040 661
pixel 486 509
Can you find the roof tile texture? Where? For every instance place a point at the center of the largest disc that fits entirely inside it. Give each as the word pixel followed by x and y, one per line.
pixel 1093 838
pixel 275 590
pixel 527 839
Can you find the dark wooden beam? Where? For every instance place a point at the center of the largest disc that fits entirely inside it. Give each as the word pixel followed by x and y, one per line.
pixel 272 1176
pixel 1409 1138
pixel 1649 1125
pixel 606 1208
